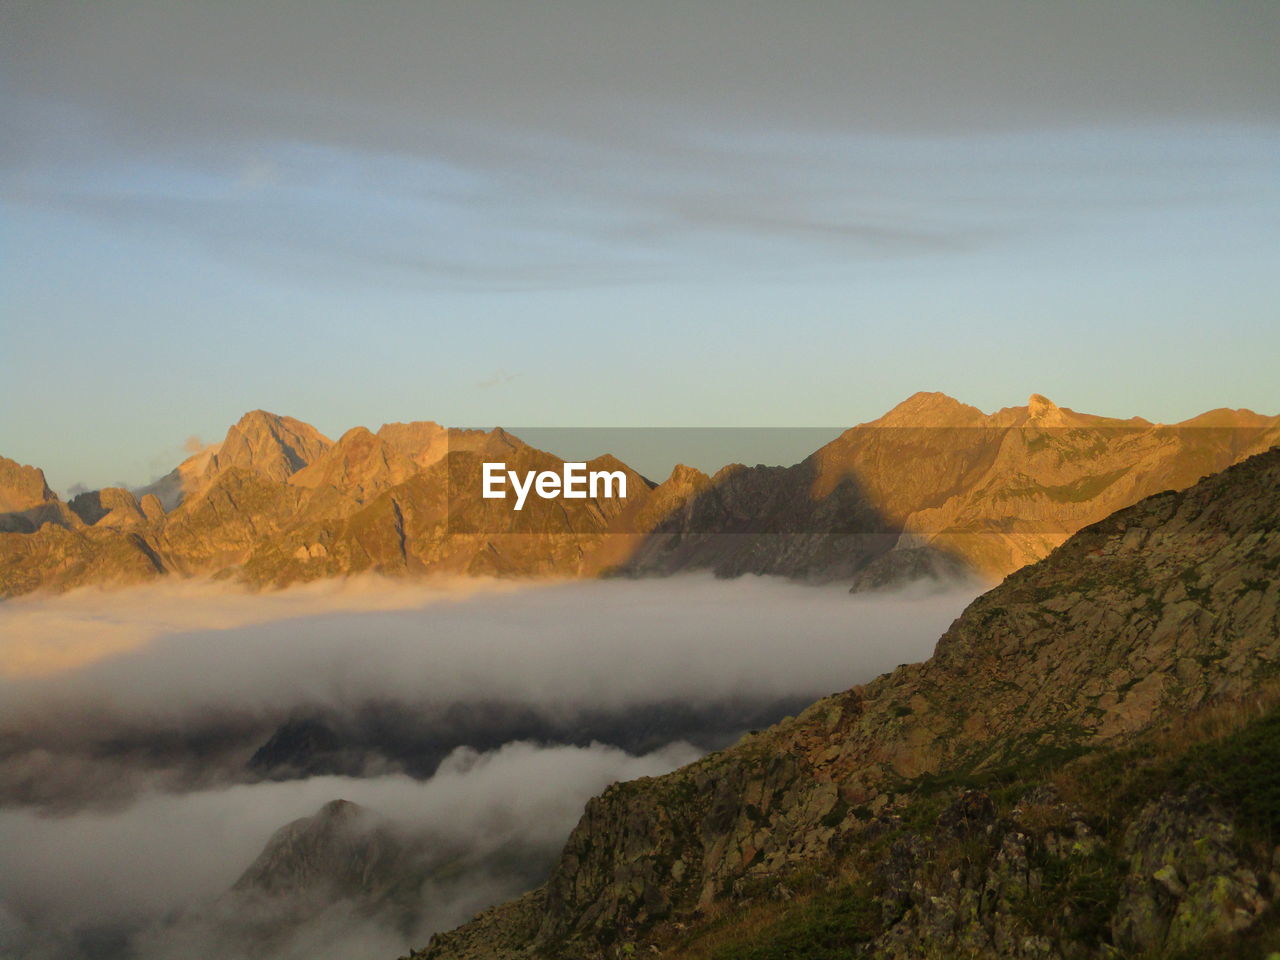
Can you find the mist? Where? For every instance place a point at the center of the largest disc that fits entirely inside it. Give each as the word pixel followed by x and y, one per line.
pixel 584 644
pixel 153 739
pixel 170 856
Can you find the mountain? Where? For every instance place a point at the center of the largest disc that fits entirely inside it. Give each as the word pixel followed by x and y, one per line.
pixel 343 870
pixel 935 488
pixel 343 851
pixel 1086 767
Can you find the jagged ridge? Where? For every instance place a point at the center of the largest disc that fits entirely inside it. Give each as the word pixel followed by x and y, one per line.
pixel 933 488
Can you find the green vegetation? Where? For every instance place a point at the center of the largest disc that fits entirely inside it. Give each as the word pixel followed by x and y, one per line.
pixel 828 926
pixel 1231 751
pixel 1236 760
pixel 1077 897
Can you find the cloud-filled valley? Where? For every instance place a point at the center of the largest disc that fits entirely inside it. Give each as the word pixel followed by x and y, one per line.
pixel 144 770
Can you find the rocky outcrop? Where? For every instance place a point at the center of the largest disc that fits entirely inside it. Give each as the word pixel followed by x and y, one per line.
pixel 26 502
pixel 22 486
pixel 1161 609
pixel 152 508
pixel 109 507
pixel 1187 880
pixel 343 870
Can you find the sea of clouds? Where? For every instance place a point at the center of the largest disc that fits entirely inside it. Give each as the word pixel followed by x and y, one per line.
pixel 109 855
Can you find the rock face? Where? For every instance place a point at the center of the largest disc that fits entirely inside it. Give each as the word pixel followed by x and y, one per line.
pixel 1163 609
pixel 934 489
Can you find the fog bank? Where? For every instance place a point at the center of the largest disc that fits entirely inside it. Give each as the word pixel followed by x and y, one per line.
pixel 584 644
pixel 61 876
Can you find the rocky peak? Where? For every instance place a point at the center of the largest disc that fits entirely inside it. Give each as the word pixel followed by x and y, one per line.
pixel 1038 406
pixel 109 507
pixel 422 441
pixel 338 810
pixel 1043 412
pixel 331 850
pixel 27 503
pixel 268 444
pixel 930 409
pixel 686 476
pixel 22 486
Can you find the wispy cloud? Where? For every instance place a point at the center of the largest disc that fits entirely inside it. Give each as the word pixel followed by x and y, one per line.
pixel 498 379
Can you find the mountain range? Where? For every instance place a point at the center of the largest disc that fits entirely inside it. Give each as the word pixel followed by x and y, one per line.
pixel 934 488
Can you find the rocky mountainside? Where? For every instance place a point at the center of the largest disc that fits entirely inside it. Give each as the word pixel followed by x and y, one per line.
pixel 1086 767
pixel 933 488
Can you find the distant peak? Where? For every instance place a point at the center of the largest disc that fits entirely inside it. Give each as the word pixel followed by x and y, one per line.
pixel 684 474
pixel 256 421
pixel 607 461
pixel 1045 413
pixel 1038 405
pixel 339 808
pixel 22 486
pixel 930 409
pixel 259 417
pixel 930 398
pixel 355 434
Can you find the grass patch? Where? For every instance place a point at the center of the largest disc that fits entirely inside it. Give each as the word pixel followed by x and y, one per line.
pixel 831 925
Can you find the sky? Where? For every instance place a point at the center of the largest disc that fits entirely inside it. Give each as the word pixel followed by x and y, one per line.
pixel 590 213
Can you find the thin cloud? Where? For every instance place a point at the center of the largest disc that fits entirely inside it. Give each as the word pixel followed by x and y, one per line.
pixel 499 379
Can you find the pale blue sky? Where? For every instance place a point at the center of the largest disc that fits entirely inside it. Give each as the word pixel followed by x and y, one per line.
pixel 717 213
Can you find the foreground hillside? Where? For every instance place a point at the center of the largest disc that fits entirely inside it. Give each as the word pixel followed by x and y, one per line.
pixel 1089 766
pixel 935 488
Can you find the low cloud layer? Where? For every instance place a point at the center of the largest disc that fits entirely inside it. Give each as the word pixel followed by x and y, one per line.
pixel 61 878
pixel 42 634
pixel 593 644
pixel 129 796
